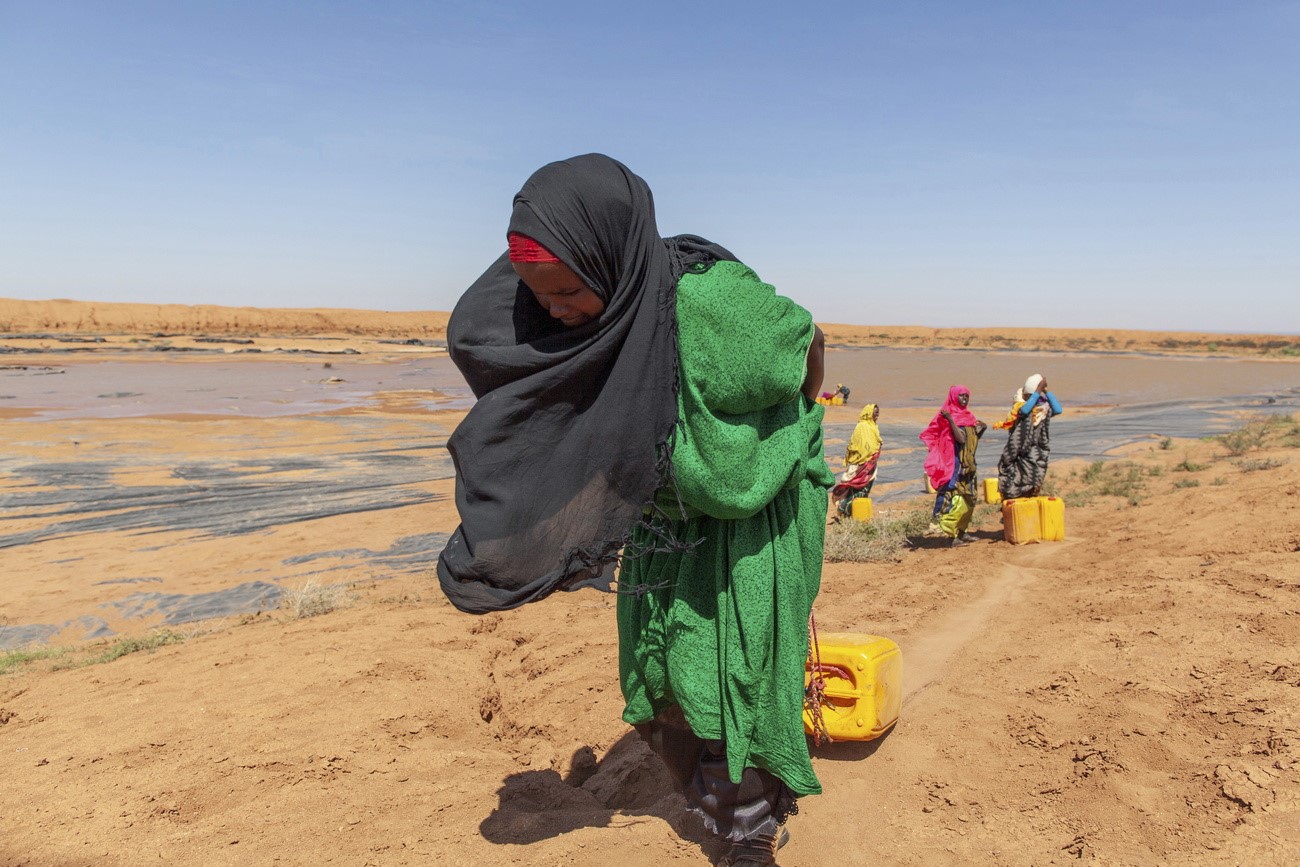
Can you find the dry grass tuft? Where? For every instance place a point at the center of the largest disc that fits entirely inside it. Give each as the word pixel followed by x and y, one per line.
pixel 1254 465
pixel 880 541
pixel 313 599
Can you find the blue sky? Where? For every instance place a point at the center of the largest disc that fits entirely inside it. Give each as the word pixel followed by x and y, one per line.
pixel 1080 164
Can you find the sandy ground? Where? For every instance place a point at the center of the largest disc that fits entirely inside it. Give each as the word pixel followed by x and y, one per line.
pixel 1127 696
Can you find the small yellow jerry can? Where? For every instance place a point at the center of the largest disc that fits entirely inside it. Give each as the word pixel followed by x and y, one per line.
pixel 1020 520
pixel 1051 518
pixel 991 492
pixel 864 685
pixel 862 509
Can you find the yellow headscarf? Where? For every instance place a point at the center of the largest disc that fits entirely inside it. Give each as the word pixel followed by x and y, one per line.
pixel 865 441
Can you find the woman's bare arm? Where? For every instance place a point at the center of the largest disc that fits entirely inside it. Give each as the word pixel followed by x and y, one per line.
pixel 812 381
pixel 958 435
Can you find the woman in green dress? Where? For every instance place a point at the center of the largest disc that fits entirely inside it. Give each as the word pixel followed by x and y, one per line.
pixel 651 399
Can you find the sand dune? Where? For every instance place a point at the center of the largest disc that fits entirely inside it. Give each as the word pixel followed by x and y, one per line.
pixel 62 316
pixel 83 318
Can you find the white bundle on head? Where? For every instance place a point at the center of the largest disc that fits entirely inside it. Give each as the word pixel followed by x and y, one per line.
pixel 1030 386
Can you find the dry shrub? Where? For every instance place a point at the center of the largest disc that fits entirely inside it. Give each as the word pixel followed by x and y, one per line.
pixel 1255 465
pixel 313 599
pixel 879 541
pixel 1123 479
pixel 1253 434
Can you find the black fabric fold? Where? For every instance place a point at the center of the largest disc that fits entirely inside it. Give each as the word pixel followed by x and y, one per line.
pixel 572 430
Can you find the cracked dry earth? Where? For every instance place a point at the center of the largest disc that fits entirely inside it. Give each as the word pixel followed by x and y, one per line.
pixel 1128 696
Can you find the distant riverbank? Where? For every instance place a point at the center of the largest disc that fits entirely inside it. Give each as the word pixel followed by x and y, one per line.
pixel 63 325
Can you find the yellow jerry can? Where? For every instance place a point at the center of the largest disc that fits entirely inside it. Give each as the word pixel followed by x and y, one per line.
pixel 1051 518
pixel 991 492
pixel 862 509
pixel 1020 520
pixel 864 685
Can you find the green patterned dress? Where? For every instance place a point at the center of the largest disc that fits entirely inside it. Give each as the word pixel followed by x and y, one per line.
pixel 722 631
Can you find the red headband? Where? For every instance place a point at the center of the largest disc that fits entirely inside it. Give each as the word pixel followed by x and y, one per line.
pixel 525 249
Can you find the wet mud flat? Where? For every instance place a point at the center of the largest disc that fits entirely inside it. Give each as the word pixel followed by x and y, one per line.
pixel 114 518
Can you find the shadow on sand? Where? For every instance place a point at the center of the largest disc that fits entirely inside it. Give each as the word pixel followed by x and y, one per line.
pixel 931 542
pixel 627 787
pixel 847 751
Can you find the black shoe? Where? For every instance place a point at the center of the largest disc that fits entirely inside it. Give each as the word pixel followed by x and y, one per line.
pixel 757 851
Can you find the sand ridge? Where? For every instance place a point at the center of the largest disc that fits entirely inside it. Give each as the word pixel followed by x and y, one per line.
pixel 52 324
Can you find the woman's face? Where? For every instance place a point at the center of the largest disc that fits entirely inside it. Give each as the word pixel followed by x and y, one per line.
pixel 963 399
pixel 561 292
pixel 875 414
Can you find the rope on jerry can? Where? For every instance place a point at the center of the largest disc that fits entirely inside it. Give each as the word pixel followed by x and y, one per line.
pixel 815 694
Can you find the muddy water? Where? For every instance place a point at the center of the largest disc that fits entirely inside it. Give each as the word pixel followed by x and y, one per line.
pixel 920 377
pixel 899 378
pixel 248 388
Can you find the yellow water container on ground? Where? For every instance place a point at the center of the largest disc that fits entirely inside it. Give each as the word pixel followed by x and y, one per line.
pixel 837 400
pixel 1051 518
pixel 862 510
pixel 1020 520
pixel 864 685
pixel 991 492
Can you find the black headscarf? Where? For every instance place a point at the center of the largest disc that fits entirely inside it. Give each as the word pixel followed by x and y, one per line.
pixel 571 434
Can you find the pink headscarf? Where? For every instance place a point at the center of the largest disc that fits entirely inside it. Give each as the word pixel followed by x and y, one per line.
pixel 937 436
